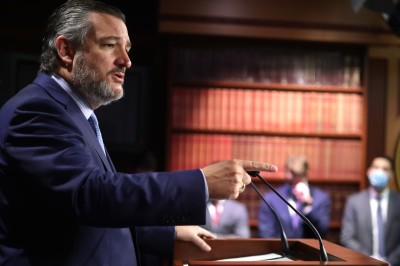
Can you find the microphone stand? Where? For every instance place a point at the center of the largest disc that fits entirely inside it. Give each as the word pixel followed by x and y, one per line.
pixel 284 240
pixel 323 254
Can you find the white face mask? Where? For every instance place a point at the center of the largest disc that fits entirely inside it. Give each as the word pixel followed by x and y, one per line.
pixel 378 178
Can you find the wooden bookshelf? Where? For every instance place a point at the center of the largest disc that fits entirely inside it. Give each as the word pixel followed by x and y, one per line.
pixel 261 101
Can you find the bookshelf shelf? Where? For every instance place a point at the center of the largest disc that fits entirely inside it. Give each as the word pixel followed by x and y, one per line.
pixel 256 101
pixel 269 86
pixel 269 133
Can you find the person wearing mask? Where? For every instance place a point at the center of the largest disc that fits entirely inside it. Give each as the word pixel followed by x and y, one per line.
pixel 311 201
pixel 227 219
pixel 371 218
pixel 62 202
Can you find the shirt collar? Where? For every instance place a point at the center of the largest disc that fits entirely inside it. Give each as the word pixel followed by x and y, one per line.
pixel 373 194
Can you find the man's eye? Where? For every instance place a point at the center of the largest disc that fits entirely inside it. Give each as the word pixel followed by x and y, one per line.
pixel 109 45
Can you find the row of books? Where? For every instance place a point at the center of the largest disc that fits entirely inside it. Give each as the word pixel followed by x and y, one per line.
pixel 338 194
pixel 267 65
pixel 265 103
pixel 266 110
pixel 329 159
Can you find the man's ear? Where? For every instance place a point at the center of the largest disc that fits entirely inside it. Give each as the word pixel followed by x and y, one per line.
pixel 65 51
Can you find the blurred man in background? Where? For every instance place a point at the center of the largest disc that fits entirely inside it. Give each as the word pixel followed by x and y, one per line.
pixel 313 202
pixel 371 218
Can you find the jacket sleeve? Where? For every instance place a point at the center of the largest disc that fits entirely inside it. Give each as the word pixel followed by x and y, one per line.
pixel 156 240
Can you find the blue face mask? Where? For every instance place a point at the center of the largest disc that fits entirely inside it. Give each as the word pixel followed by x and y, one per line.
pixel 378 178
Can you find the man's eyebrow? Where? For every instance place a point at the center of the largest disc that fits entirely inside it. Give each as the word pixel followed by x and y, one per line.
pixel 115 38
pixel 109 38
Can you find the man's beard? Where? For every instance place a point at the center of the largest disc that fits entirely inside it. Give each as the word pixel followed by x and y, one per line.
pixel 85 78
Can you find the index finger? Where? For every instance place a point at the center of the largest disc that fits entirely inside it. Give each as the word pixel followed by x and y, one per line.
pixel 258 166
pixel 201 243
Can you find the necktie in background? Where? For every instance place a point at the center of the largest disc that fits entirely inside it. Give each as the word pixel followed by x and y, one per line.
pixel 381 228
pixel 295 217
pixel 218 212
pixel 95 126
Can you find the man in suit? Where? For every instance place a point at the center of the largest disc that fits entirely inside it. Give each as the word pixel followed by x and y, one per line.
pixel 61 200
pixel 313 202
pixel 360 221
pixel 227 219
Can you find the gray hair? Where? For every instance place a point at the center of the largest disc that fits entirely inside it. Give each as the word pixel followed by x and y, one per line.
pixel 297 164
pixel 71 20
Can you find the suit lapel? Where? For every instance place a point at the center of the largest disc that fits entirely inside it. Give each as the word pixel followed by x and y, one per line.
pixel 76 114
pixel 89 134
pixel 366 215
pixel 285 216
pixel 391 210
pixel 110 161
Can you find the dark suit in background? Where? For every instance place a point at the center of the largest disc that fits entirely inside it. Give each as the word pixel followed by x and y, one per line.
pixel 313 202
pixel 319 215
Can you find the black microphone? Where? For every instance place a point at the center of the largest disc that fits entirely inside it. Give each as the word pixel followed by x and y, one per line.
pixel 284 240
pixel 323 254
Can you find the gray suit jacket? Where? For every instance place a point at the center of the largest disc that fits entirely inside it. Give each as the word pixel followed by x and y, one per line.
pixel 356 230
pixel 234 221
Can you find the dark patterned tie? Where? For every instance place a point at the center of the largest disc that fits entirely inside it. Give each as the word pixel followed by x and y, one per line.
pixel 95 126
pixel 381 228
